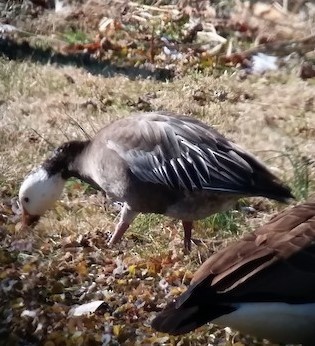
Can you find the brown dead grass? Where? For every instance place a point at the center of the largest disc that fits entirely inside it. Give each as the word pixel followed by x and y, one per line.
pixel 44 104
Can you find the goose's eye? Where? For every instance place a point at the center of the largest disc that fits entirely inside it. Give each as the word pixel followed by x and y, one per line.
pixel 26 199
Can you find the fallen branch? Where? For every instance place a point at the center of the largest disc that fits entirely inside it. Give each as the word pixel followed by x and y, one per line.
pixel 281 49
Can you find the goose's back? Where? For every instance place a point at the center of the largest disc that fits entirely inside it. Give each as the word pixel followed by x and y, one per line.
pixel 178 160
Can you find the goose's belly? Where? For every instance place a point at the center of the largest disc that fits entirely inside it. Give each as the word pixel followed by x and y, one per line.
pixel 199 205
pixel 278 322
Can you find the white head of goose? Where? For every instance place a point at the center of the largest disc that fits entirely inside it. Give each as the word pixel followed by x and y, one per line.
pixel 154 163
pixel 263 284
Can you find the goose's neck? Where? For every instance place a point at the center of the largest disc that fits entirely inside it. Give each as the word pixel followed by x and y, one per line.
pixel 68 160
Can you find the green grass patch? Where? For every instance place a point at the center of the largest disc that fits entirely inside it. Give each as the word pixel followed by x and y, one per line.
pixel 302 181
pixel 76 36
pixel 226 224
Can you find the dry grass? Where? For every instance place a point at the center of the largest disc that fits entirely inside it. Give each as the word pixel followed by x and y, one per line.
pixel 40 104
pixel 272 116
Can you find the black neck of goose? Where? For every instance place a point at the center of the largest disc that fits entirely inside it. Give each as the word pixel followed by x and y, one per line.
pixel 66 159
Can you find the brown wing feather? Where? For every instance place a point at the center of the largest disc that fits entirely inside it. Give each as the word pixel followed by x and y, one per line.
pixel 286 245
pixel 274 264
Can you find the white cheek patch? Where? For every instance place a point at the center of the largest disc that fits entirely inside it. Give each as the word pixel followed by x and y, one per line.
pixel 39 192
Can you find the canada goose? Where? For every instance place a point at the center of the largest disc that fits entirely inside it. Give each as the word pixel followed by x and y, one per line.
pixel 154 163
pixel 263 284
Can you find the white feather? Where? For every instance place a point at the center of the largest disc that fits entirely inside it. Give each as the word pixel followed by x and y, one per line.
pixel 39 191
pixel 279 322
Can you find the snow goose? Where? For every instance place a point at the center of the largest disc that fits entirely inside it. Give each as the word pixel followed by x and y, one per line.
pixel 263 284
pixel 154 162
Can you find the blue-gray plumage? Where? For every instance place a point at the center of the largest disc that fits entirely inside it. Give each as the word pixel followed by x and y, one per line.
pixel 162 163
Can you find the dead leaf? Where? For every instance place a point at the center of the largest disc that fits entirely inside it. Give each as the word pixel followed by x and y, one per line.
pixel 85 309
pixel 81 268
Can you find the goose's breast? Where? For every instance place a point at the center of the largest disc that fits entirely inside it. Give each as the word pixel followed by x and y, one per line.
pixel 110 173
pixel 200 204
pixel 278 322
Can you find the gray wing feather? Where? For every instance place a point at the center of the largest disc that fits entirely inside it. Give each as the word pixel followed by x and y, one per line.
pixel 186 154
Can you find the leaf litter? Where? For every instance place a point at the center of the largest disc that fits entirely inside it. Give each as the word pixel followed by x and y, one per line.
pixel 178 37
pixel 74 290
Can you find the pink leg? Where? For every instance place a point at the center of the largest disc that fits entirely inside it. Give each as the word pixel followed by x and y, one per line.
pixel 126 218
pixel 120 229
pixel 187 225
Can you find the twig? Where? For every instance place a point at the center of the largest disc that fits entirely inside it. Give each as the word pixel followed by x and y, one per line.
pixel 79 126
pixel 281 48
pixel 52 146
pixel 152 8
pixel 38 36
